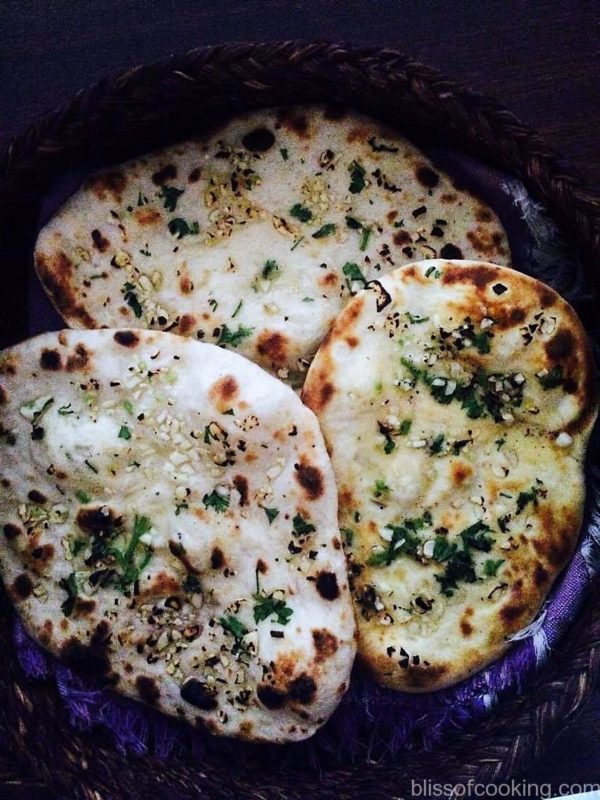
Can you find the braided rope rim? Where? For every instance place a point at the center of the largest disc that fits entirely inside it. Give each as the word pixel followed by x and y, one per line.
pixel 134 111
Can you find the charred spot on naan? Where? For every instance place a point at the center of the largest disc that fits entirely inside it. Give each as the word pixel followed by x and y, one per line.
pixel 224 392
pixel 325 643
pixel 126 338
pixel 310 479
pixel 56 273
pixel 273 346
pixel 108 185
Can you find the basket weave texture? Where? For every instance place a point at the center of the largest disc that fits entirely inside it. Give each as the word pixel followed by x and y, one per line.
pixel 42 756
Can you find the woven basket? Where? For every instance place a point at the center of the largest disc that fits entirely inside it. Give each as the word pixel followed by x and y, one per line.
pixel 41 755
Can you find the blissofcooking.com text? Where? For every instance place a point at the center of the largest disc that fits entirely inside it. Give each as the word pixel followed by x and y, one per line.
pixel 424 790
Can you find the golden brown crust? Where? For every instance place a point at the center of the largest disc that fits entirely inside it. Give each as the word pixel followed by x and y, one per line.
pixel 457 418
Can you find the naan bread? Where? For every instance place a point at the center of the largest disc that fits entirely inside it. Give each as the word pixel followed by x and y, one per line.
pixel 456 399
pixel 256 236
pixel 169 528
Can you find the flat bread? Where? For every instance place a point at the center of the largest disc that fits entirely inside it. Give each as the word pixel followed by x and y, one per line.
pixel 169 528
pixel 456 400
pixel 256 236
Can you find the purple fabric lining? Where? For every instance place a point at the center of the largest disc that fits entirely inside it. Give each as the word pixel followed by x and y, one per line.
pixel 371 721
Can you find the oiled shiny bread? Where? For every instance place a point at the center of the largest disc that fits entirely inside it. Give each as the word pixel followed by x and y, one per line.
pixel 257 235
pixel 168 527
pixel 456 400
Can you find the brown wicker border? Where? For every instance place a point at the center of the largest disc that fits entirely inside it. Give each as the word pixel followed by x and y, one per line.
pixel 42 756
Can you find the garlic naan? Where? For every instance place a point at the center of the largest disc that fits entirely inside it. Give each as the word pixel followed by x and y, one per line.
pixel 456 400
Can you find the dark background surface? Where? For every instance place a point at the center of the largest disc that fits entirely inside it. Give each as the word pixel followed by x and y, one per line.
pixel 540 59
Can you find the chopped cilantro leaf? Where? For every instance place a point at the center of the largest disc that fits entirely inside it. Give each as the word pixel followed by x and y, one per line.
pixel 83 497
pixel 353 223
pixel 499 443
pixel 353 273
pixel 128 406
pixel 357 177
pixel 284 153
pixel 216 501
pixel 131 299
pixel 490 567
pixel 459 567
pixel 180 507
pixel 233 625
pixel 70 587
pixel 179 228
pixel 443 549
pixel 403 542
pixel 272 513
pixel 432 271
pixel 170 196
pixel 65 410
pixel 77 546
pixel 526 497
pixel 364 239
pixel 267 606
pixel 233 338
pixel 380 488
pixel 126 559
pixel 301 526
pixel 324 230
pixel 269 268
pixel 437 444
pixel 405 427
pixel 477 536
pixel 124 432
pixel 301 212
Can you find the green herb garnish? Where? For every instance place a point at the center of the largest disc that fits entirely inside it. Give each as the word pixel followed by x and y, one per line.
pixel 180 507
pixel 272 513
pixel 353 273
pixel 490 567
pixel 216 501
pixel 525 498
pixel 357 177
pixel 324 230
pixel 124 432
pixel 437 444
pixel 70 587
pixel 353 223
pixel 301 526
pixel 301 212
pixel 380 488
pixel 482 342
pixel 237 309
pixel 477 537
pixel 83 497
pixel 269 268
pixel 364 239
pixel 284 153
pixel 131 299
pixel 170 196
pixel 126 558
pixel 233 338
pixel 233 626
pixel 266 606
pixel 179 228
